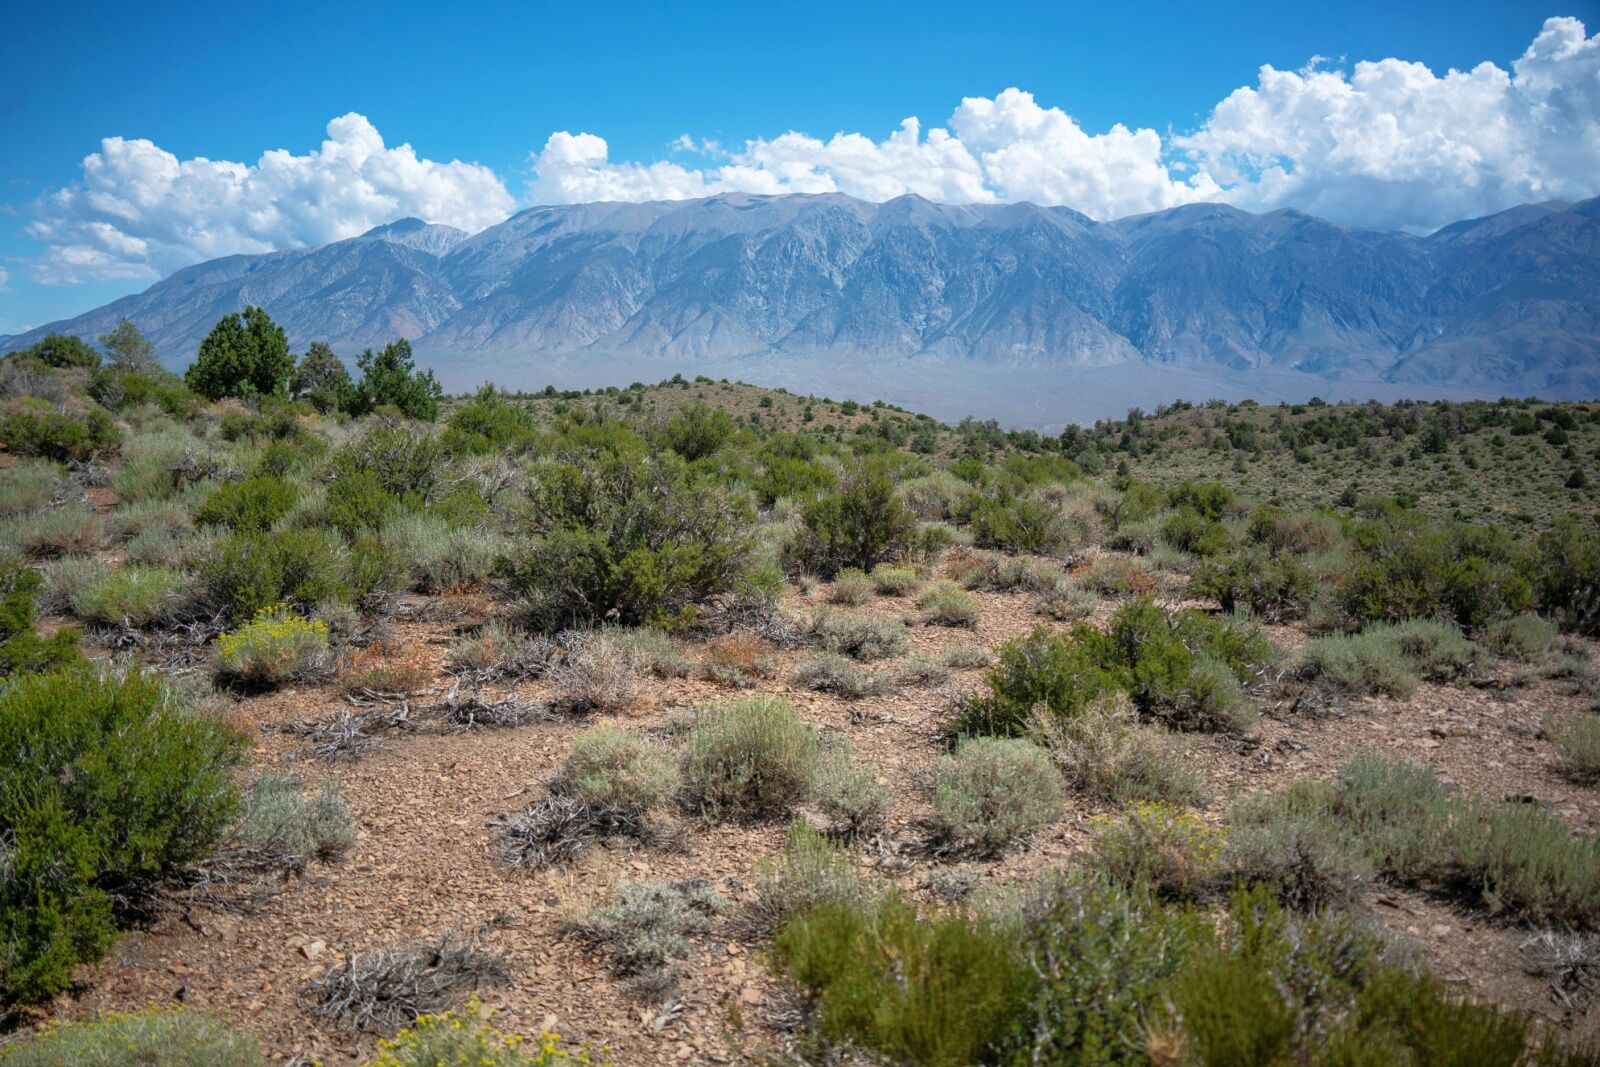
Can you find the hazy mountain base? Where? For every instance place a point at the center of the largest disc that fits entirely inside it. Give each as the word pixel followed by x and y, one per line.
pixel 1040 397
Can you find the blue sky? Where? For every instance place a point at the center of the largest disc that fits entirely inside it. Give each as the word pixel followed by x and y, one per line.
pixel 491 83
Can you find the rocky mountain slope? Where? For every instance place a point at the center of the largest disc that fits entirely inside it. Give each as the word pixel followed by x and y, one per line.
pixel 1508 303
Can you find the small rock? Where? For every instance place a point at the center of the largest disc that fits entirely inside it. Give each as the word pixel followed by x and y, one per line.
pixel 313 949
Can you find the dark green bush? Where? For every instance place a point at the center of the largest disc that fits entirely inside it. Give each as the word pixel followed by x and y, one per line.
pixel 1185 664
pixel 246 354
pixel 408 463
pixel 119 390
pixel 1567 575
pixel 389 378
pixel 64 350
pixel 321 380
pixel 1405 567
pixel 107 787
pixel 490 423
pixel 627 540
pixel 33 428
pixel 860 524
pixel 1017 523
pixel 252 505
pixel 697 431
pixel 1061 673
pixel 1190 531
pixel 22 650
pixel 1277 588
pixel 939 990
pixel 252 571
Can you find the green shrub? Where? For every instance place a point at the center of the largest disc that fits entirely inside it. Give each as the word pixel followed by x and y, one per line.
pixel 752 759
pixel 453 1039
pixel 610 767
pixel 131 595
pixel 1435 649
pixel 1277 588
pixel 1360 664
pixel 894 581
pixel 156 1037
pixel 273 647
pixel 246 354
pixel 630 540
pixel 1189 531
pixel 1526 638
pixel 439 555
pixel 697 431
pixel 849 796
pixel 1107 754
pixel 1062 673
pixel 1293 843
pixel 57 531
pixel 1577 744
pixel 830 672
pixel 1566 573
pixel 107 787
pixel 992 793
pixel 280 825
pixel 860 524
pixel 28 485
pixel 1169 849
pixel 934 990
pixel 22 650
pixel 249 572
pixel 1017 523
pixel 947 604
pixel 860 637
pixel 252 505
pixel 643 925
pixel 850 586
pixel 490 423
pixel 1187 664
pixel 33 428
pixel 1104 955
pixel 813 871
pixel 1404 567
pixel 408 462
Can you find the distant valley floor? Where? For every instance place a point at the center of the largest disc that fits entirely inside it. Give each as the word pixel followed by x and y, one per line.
pixel 1033 397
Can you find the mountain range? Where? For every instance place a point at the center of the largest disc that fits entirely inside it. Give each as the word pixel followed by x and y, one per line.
pixel 809 288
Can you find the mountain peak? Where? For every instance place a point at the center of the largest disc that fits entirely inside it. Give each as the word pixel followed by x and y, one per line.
pixel 431 237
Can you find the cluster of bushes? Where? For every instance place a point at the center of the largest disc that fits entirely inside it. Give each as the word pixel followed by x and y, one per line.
pixel 1085 972
pixel 1184 666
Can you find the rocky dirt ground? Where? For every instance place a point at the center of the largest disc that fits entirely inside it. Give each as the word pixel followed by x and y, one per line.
pixel 423 864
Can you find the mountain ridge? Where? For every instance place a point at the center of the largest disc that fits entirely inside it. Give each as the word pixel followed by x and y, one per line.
pixel 1509 301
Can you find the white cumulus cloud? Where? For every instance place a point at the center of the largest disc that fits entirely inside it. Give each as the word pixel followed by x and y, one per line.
pixel 5 276
pixel 1386 143
pixel 1393 144
pixel 139 210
